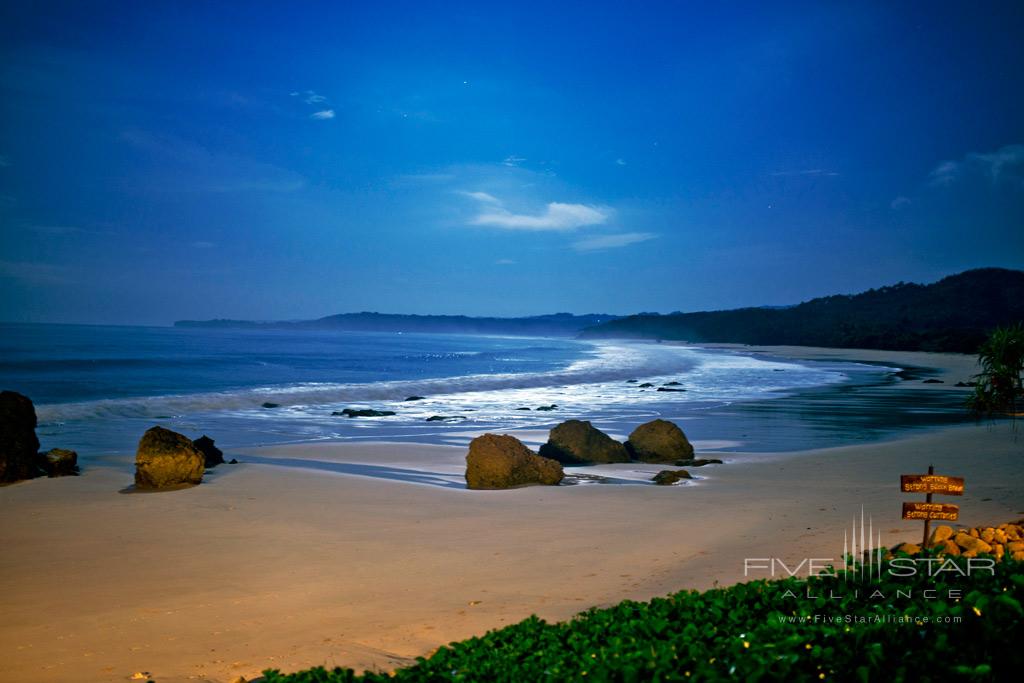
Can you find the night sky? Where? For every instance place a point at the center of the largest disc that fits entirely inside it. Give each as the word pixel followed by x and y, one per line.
pixel 161 161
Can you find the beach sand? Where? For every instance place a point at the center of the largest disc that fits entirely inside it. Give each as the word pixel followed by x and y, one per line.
pixel 360 555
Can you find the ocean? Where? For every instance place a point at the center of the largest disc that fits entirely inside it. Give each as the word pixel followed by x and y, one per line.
pixel 97 389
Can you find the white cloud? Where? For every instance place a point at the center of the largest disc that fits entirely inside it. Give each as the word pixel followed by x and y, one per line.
pixel 513 160
pixel 322 115
pixel 504 262
pixel 556 216
pixel 900 202
pixel 315 99
pixel 614 241
pixel 482 197
pixel 1006 164
pixel 620 162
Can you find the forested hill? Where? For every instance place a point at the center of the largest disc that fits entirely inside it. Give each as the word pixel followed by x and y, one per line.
pixel 555 325
pixel 953 314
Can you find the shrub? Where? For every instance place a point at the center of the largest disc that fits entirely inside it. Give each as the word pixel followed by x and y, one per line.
pixel 756 631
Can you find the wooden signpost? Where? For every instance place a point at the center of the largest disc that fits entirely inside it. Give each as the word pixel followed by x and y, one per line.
pixel 931 483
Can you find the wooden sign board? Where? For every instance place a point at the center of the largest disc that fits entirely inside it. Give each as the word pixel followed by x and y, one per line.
pixel 943 511
pixel 931 483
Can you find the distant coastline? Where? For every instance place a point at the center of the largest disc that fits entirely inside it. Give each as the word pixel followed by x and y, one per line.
pixel 952 315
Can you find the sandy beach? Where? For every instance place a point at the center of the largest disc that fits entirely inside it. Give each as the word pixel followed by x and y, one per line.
pixel 359 555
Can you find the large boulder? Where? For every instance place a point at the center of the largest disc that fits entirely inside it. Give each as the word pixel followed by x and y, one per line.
pixel 166 459
pixel 499 461
pixel 576 442
pixel 212 456
pixel 59 462
pixel 18 442
pixel 659 441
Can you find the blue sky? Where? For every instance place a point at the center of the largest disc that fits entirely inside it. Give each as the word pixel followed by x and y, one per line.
pixel 161 161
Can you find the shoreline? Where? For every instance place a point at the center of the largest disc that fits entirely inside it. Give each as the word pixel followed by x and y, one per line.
pixel 335 560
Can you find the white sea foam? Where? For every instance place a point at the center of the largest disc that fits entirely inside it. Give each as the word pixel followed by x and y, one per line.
pixel 599 379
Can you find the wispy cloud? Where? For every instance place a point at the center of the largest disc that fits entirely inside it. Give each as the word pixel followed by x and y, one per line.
pixel 513 160
pixel 614 241
pixel 482 197
pixel 1004 165
pixel 620 162
pixel 202 244
pixel 504 262
pixel 322 115
pixel 807 172
pixel 900 202
pixel 556 216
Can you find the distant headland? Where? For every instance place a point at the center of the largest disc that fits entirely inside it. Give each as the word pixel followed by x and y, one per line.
pixel 953 314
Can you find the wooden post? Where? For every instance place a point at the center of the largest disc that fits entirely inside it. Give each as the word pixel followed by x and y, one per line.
pixel 927 522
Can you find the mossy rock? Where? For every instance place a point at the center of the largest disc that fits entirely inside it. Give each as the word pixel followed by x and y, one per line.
pixel 500 461
pixel 577 442
pixel 59 462
pixel 166 460
pixel 659 441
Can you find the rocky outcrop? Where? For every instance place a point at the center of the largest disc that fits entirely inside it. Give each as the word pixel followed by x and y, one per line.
pixel 499 461
pixel 576 442
pixel 18 442
pixel 212 456
pixel 166 459
pixel 659 441
pixel 59 462
pixel 1003 541
pixel 669 477
pixel 445 418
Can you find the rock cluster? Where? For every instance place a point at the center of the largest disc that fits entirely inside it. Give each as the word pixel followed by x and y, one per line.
pixel 166 459
pixel 578 442
pixel 19 447
pixel 1005 540
pixel 499 461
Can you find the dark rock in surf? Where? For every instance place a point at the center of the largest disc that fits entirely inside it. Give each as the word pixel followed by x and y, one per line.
pixel 268 404
pixel 352 412
pixel 645 385
pixel 414 398
pixel 672 384
pixel 18 442
pixel 499 461
pixel 933 381
pixel 576 442
pixel 669 389
pixel 553 406
pixel 212 456
pixel 442 418
pixel 697 462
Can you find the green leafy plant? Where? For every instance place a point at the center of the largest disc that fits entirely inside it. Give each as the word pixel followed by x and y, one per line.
pixel 762 630
pixel 1001 357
